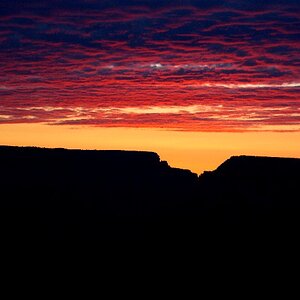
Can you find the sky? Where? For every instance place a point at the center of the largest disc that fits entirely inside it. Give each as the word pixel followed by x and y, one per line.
pixel 195 81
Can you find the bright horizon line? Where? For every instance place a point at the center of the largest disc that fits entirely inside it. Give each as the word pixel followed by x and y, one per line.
pixel 196 151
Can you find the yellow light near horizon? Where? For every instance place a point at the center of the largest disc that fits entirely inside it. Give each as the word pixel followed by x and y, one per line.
pixel 197 151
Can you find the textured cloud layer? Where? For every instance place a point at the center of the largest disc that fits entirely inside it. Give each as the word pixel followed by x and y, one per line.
pixel 186 65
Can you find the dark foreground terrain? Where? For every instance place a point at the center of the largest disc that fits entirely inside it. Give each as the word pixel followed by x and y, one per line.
pixel 67 195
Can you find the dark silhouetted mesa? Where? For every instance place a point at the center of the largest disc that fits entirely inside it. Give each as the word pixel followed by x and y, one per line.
pixel 58 194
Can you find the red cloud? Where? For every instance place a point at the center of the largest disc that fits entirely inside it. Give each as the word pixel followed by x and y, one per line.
pixel 80 61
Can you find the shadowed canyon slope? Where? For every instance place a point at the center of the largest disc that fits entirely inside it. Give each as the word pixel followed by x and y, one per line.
pixel 58 194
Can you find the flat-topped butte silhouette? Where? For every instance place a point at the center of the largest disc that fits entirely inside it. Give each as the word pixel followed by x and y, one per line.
pixel 58 194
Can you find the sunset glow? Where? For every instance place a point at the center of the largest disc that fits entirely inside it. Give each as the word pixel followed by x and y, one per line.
pixel 195 81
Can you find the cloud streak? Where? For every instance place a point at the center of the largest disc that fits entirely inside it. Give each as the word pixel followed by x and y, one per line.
pixel 136 63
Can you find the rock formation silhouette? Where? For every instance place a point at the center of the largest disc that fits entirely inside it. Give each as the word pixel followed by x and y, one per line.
pixel 90 195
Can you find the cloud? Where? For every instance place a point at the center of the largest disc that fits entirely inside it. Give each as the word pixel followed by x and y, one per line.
pixel 154 56
pixel 188 118
pixel 249 85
